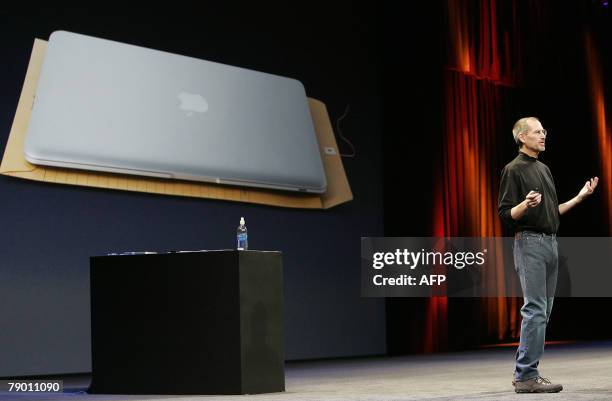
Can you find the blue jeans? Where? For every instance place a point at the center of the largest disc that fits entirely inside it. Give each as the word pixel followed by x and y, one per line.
pixel 536 262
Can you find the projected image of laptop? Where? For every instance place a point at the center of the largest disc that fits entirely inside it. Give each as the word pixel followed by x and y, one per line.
pixel 113 107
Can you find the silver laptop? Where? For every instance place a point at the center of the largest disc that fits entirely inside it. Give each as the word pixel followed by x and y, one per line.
pixel 113 107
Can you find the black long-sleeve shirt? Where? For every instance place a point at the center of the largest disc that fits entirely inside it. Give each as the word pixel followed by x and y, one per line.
pixel 521 175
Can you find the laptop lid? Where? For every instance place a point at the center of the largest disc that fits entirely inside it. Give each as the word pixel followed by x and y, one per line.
pixel 109 106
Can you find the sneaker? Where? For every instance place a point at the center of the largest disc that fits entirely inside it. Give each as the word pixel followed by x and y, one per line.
pixel 537 384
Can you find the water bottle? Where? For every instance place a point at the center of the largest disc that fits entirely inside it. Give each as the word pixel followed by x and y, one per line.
pixel 243 243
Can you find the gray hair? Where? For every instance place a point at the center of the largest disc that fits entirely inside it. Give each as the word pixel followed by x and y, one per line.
pixel 521 126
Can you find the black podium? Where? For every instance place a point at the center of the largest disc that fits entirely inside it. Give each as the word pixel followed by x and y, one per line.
pixel 208 322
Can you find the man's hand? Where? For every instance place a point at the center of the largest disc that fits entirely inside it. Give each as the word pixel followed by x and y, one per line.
pixel 588 188
pixel 586 191
pixel 533 198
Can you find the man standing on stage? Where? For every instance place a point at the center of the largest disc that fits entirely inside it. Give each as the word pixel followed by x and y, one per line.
pixel 528 204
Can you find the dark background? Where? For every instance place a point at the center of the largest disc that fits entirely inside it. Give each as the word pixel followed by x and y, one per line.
pixel 555 89
pixel 49 231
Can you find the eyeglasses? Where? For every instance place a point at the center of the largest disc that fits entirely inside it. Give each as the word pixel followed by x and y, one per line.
pixel 541 131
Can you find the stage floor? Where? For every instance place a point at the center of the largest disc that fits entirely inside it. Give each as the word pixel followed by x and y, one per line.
pixel 584 369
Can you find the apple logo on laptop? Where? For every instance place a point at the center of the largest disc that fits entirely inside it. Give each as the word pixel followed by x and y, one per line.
pixel 192 103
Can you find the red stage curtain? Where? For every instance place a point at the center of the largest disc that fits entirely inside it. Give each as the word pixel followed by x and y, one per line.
pixel 481 75
pixel 602 127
